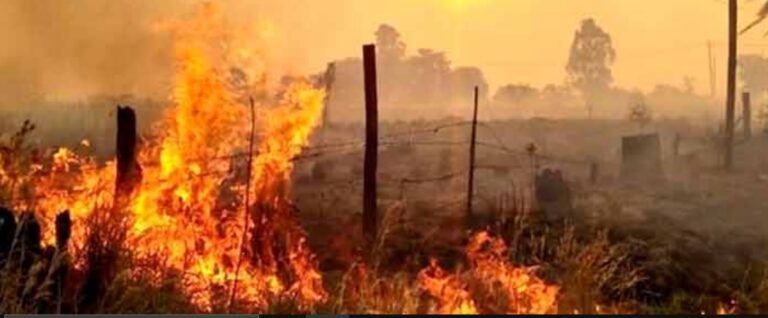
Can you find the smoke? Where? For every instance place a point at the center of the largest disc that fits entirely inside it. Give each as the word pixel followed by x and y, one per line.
pixel 65 50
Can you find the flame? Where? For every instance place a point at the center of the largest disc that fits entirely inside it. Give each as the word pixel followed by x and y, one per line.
pixel 452 297
pixel 525 293
pixel 191 165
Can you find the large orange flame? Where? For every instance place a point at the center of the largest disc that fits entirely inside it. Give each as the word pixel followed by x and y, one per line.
pixel 190 167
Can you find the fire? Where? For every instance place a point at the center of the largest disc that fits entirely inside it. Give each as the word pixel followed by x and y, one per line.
pixel 526 293
pixel 187 208
pixel 452 298
pixel 491 272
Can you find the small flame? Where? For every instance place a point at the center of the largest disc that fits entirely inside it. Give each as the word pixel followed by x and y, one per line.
pixel 525 292
pixel 452 297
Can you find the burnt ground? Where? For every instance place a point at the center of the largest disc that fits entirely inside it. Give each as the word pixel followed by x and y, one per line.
pixel 700 233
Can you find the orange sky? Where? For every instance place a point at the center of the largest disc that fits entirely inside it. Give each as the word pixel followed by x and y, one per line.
pixel 88 44
pixel 657 41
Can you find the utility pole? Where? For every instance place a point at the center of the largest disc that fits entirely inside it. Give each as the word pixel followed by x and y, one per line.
pixel 471 181
pixel 730 107
pixel 371 144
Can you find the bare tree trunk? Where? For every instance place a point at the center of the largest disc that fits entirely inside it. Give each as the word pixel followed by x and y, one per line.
pixel 471 181
pixel 731 94
pixel 371 143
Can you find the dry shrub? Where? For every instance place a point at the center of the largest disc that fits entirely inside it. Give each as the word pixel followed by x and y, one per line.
pixel 103 250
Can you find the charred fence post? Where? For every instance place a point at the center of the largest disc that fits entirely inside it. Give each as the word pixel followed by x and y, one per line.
pixel 107 227
pixel 471 180
pixel 747 115
pixel 371 143
pixel 128 170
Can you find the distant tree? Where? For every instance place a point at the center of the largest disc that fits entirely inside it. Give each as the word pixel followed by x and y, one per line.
pixel 514 94
pixel 420 84
pixel 427 77
pixel 591 56
pixel 391 48
pixel 463 80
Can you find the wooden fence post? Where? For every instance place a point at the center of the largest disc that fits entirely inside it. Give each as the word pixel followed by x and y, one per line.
pixel 471 180
pixel 594 172
pixel 128 170
pixel 746 114
pixel 371 144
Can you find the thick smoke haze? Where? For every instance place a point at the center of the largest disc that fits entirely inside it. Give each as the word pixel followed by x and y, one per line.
pixel 64 50
pixel 74 49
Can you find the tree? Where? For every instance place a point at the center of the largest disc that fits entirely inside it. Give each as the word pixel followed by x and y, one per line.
pixel 462 79
pixel 591 56
pixel 428 73
pixel 515 94
pixel 391 47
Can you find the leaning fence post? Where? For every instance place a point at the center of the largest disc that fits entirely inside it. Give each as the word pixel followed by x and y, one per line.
pixel 371 144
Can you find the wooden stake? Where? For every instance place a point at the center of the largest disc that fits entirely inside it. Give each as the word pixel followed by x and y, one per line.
pixel 371 144
pixel 471 180
pixel 594 172
pixel 747 114
pixel 730 107
pixel 128 170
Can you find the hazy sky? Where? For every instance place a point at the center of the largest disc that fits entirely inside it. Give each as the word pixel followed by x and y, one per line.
pixel 657 41
pixel 74 48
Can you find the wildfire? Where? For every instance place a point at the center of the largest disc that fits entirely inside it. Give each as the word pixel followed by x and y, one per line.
pixel 492 273
pixel 187 208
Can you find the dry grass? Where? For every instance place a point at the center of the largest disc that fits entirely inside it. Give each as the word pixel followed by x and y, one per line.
pixel 597 272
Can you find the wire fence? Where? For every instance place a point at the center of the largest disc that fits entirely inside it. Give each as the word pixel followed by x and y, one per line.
pixel 339 149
